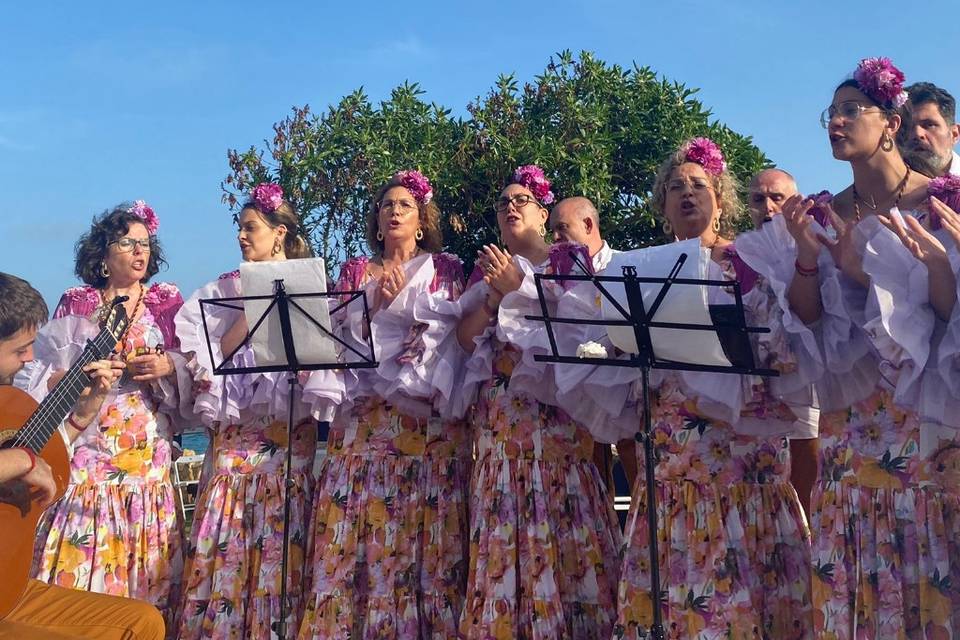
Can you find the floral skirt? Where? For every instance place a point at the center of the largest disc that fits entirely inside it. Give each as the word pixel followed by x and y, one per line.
pixel 233 566
pixel 389 534
pixel 543 551
pixel 122 539
pixel 733 544
pixel 886 525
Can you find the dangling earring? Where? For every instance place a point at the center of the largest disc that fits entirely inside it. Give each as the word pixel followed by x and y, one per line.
pixel 276 247
pixel 667 228
pixel 103 270
pixel 716 224
pixel 887 143
pixel 419 234
pixel 379 235
pixel 542 231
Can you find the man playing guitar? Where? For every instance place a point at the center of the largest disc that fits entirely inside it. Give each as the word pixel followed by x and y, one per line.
pixel 47 611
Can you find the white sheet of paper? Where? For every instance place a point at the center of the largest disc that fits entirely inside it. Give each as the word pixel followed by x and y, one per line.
pixel 683 303
pixel 306 275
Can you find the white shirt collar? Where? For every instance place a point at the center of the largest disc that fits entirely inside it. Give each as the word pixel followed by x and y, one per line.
pixel 955 164
pixel 602 258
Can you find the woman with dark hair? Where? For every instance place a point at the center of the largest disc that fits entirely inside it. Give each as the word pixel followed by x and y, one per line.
pixel 389 536
pixel 116 530
pixel 886 510
pixel 543 534
pixel 233 561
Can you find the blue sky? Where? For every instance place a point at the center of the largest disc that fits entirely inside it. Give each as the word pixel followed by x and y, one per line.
pixel 102 102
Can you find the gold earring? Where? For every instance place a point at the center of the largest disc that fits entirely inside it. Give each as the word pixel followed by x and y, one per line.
pixel 103 270
pixel 542 231
pixel 419 235
pixel 716 224
pixel 887 143
pixel 379 235
pixel 667 228
pixel 276 247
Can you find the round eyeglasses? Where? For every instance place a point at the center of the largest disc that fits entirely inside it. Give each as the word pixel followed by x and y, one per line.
pixel 848 110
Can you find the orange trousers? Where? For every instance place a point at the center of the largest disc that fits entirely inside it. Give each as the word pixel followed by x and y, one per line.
pixel 55 613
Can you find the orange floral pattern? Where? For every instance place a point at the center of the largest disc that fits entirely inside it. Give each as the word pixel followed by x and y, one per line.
pixel 543 534
pixel 733 546
pixel 886 525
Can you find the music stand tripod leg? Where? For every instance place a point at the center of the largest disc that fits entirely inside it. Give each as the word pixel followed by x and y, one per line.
pixel 656 629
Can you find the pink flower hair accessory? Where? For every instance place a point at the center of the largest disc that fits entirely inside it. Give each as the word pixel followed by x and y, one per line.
pixel 881 81
pixel 706 153
pixel 946 189
pixel 532 177
pixel 267 196
pixel 145 212
pixel 817 211
pixel 417 184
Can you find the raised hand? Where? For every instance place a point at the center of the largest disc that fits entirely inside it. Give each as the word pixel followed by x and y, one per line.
pixel 798 224
pixel 103 374
pixel 918 240
pixel 500 272
pixel 949 219
pixel 842 250
pixel 391 283
pixel 151 366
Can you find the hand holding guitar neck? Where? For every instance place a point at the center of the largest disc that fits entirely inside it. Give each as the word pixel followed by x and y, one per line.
pixel 103 374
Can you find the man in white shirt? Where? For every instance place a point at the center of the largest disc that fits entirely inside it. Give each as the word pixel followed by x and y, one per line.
pixel 769 189
pixel 930 131
pixel 576 219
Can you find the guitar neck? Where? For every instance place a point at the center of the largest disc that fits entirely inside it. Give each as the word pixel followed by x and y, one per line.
pixel 54 408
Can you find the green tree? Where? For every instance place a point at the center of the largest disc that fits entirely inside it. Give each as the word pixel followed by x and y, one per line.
pixel 598 130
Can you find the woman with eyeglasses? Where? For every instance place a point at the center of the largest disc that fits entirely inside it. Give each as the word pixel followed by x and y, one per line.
pixel 389 535
pixel 886 510
pixel 232 577
pixel 116 530
pixel 543 535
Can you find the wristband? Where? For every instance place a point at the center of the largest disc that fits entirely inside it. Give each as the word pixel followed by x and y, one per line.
pixel 33 459
pixel 806 272
pixel 73 423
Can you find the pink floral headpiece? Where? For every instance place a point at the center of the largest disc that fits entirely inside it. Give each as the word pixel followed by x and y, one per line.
pixel 706 153
pixel 946 189
pixel 881 81
pixel 267 196
pixel 417 184
pixel 817 211
pixel 145 212
pixel 532 177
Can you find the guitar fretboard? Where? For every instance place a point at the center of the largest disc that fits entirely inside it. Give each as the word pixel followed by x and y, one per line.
pixel 54 408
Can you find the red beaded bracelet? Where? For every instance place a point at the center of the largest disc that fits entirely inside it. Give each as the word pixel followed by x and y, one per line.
pixel 807 272
pixel 33 459
pixel 73 423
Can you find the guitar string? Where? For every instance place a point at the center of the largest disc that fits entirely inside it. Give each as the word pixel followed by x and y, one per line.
pixel 60 393
pixel 71 384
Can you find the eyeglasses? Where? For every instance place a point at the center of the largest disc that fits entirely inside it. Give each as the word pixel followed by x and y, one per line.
pixel 126 245
pixel 519 201
pixel 399 205
pixel 848 110
pixel 696 184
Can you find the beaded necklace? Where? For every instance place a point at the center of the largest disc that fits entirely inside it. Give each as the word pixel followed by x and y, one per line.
pixel 105 312
pixel 856 196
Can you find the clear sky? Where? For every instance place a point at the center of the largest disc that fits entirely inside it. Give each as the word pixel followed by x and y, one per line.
pixel 102 102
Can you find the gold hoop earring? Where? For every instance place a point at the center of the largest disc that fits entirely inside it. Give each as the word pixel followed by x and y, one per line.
pixel 887 143
pixel 667 228
pixel 542 231
pixel 716 224
pixel 276 247
pixel 103 270
pixel 379 236
pixel 419 234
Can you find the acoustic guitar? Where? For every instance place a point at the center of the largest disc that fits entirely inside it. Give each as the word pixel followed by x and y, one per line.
pixel 23 423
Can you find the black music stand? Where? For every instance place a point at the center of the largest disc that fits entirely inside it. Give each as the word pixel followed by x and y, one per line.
pixel 730 325
pixel 284 303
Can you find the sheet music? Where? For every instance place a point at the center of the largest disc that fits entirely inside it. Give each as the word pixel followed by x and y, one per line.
pixel 683 303
pixel 307 275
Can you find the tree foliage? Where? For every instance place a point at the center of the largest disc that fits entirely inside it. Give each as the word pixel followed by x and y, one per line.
pixel 598 130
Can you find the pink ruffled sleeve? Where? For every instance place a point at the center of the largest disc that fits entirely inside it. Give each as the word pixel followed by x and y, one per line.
pixel 77 301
